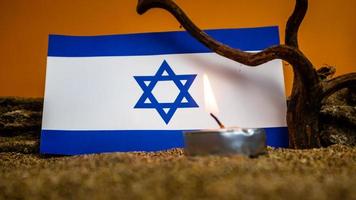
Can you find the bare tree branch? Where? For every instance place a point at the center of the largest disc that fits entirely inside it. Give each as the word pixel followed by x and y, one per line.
pixel 292 55
pixel 333 85
pixel 294 21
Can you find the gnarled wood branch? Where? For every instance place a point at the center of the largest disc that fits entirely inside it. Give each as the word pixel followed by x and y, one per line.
pixel 308 88
pixel 296 58
pixel 294 21
pixel 333 85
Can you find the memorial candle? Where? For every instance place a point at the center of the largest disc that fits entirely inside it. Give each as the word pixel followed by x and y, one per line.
pixel 224 141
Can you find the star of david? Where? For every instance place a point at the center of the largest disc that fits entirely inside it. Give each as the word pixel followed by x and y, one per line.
pixel 165 110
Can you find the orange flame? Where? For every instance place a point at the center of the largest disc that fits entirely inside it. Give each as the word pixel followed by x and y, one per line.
pixel 209 97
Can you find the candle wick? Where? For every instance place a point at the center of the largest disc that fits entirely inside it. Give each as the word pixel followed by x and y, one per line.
pixel 217 120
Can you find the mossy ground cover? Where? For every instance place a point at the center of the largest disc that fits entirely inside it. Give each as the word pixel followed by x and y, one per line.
pixel 326 173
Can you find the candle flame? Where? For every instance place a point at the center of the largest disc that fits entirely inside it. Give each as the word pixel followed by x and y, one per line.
pixel 210 101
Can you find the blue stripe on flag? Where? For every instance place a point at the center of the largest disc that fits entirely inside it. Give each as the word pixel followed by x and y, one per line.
pixel 67 142
pixel 246 39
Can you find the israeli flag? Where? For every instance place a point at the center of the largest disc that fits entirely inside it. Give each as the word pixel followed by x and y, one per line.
pixel 139 92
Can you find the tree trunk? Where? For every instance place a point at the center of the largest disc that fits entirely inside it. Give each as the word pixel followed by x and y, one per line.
pixel 303 122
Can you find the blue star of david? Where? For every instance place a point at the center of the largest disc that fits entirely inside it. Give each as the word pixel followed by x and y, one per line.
pixel 165 110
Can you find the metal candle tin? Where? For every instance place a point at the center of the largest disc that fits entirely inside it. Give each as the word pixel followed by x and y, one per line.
pixel 245 141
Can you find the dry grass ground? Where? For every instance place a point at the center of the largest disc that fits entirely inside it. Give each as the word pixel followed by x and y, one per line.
pixel 328 173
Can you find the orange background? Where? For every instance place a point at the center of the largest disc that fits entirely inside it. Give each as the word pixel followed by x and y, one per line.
pixel 327 35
